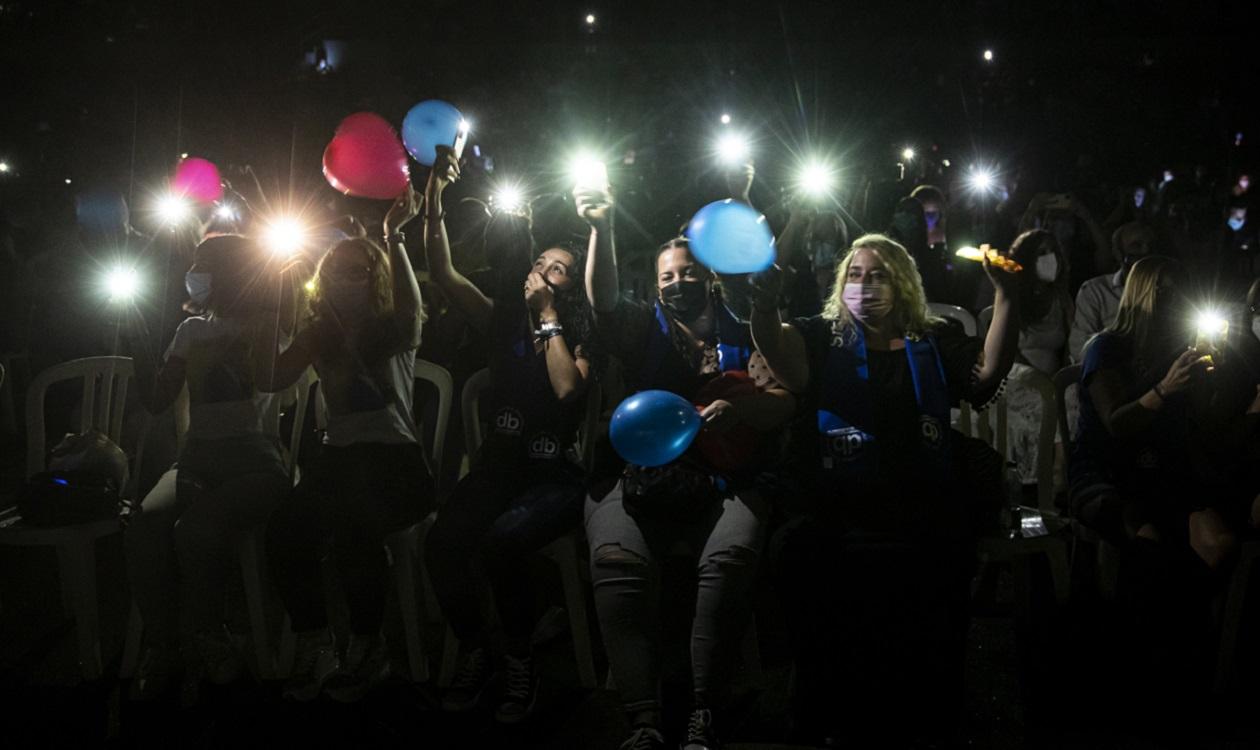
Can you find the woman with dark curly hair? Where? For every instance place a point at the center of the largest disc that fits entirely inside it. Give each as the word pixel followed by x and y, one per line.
pixel 522 493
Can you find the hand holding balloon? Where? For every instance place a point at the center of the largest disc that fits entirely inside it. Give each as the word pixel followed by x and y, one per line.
pixel 445 169
pixel 719 416
pixel 406 208
pixel 652 428
pixel 765 286
pixel 731 238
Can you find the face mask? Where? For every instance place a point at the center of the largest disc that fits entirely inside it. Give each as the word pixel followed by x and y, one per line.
pixel 932 218
pixel 1235 223
pixel 348 299
pixel 198 285
pixel 686 299
pixel 1255 326
pixel 866 300
pixel 1048 267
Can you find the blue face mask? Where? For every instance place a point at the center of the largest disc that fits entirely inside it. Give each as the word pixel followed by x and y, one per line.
pixel 1235 223
pixel 198 286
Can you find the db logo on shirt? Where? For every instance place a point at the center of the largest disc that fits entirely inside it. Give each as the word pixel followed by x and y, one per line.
pixel 846 443
pixel 930 428
pixel 544 445
pixel 508 422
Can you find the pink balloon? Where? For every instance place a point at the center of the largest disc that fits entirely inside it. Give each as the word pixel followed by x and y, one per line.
pixel 198 179
pixel 366 159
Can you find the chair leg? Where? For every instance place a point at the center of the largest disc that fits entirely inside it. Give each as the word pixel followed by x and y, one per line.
pixel 1231 620
pixel 404 577
pixel 251 572
pixel 131 646
pixel 77 559
pixel 575 602
pixel 450 655
pixel 1060 572
pixel 287 650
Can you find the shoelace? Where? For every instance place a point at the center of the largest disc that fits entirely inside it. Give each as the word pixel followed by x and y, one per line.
pixel 699 726
pixel 473 672
pixel 519 678
pixel 644 738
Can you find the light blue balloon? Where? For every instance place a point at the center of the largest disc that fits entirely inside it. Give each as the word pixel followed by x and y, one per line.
pixel 731 237
pixel 652 428
pixel 430 124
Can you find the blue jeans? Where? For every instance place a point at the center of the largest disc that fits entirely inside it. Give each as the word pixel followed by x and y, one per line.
pixel 482 536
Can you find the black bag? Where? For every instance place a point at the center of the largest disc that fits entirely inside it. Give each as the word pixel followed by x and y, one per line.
pixel 680 491
pixel 63 498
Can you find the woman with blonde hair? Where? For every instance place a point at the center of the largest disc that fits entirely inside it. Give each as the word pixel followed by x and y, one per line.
pixel 889 492
pixel 371 478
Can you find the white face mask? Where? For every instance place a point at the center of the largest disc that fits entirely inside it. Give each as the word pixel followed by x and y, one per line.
pixel 198 286
pixel 1048 267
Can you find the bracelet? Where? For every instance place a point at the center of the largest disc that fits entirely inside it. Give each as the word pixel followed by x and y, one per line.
pixel 1159 392
pixel 396 238
pixel 548 330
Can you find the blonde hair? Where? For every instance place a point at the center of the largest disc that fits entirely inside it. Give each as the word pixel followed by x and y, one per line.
pixel 380 283
pixel 909 304
pixel 1137 302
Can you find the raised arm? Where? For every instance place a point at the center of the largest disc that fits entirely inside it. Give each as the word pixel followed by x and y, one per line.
pixel 462 293
pixel 1129 419
pixel 1001 345
pixel 408 308
pixel 566 369
pixel 780 344
pixel 602 284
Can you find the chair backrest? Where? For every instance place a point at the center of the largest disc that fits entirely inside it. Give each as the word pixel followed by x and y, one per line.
pixel 104 398
pixel 1064 379
pixel 445 385
pixel 470 402
pixel 983 319
pixel 1050 410
pixel 954 312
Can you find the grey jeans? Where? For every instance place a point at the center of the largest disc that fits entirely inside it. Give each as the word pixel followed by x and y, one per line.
pixel 626 555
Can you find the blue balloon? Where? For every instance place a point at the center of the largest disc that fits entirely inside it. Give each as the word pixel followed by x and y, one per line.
pixel 430 124
pixel 731 237
pixel 652 428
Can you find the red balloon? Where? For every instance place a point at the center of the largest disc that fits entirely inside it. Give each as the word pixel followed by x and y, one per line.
pixel 736 448
pixel 366 159
pixel 198 179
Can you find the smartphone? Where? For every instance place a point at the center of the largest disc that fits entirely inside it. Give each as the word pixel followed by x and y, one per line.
pixel 1209 338
pixel 461 139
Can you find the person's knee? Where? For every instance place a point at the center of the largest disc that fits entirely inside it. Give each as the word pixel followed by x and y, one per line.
pixel 613 561
pixel 735 561
pixel 1210 539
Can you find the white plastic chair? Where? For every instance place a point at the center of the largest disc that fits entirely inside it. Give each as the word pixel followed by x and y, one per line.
pixel 250 547
pixel 565 552
pixel 404 545
pixel 104 397
pixel 962 417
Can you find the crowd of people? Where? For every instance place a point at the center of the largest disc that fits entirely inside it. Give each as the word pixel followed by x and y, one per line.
pixel 828 461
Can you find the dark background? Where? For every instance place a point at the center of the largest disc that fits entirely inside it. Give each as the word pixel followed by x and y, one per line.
pixel 110 93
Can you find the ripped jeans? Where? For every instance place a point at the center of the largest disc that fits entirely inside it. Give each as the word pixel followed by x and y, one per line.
pixel 626 556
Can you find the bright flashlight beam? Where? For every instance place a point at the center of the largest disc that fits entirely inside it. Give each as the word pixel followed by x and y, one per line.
pixel 981 180
pixel 590 19
pixel 907 153
pixel 284 236
pixel 509 198
pixel 816 179
pixel 988 55
pixel 173 209
pixel 464 127
pixel 225 212
pixel 4 166
pixel 1211 324
pixel 732 148
pixel 726 119
pixel 122 283
pixel 589 172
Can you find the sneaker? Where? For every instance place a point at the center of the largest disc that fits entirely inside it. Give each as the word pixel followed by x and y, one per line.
pixel 465 692
pixel 644 738
pixel 157 673
pixel 700 734
pixel 220 661
pixel 520 692
pixel 314 661
pixel 365 666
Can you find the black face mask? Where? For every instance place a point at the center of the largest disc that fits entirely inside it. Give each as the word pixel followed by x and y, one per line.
pixel 685 299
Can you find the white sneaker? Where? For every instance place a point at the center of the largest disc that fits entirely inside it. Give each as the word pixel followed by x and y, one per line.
pixel 314 661
pixel 365 666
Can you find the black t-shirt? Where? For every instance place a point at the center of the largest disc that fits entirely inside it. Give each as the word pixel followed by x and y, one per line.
pixel 899 486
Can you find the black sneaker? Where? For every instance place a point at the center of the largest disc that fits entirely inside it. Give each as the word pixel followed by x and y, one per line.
pixel 700 734
pixel 465 692
pixel 520 691
pixel 365 666
pixel 644 738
